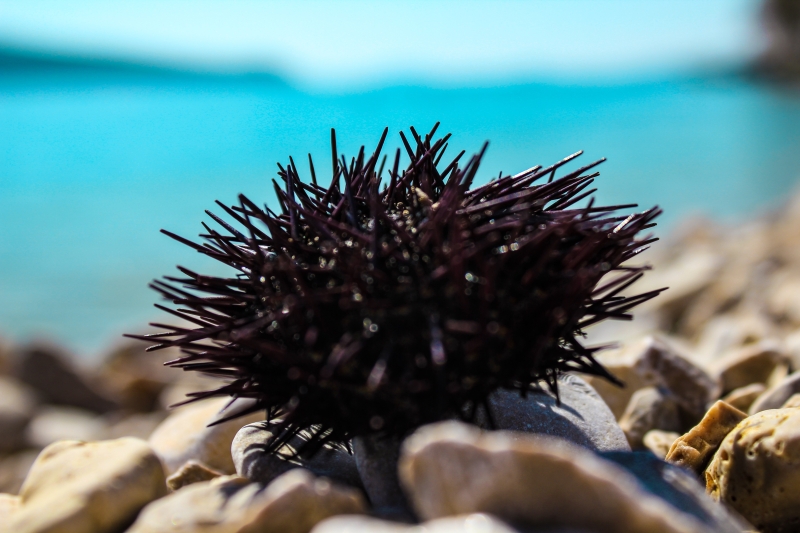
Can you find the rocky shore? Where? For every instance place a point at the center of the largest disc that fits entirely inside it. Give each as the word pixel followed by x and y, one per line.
pixel 704 437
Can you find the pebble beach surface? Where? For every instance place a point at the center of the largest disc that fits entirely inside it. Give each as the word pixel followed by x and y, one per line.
pixel 704 437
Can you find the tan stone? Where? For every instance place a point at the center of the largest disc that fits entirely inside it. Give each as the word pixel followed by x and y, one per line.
pixel 452 469
pixel 654 361
pixel 649 408
pixel 191 472
pixel 293 503
pixel 14 468
pixel 775 397
pixel 659 442
pixel 88 487
pixel 750 364
pixel 757 470
pixel 473 523
pixel 9 504
pixel 793 401
pixel 136 376
pixel 694 449
pixel 55 423
pixel 185 435
pixel 743 397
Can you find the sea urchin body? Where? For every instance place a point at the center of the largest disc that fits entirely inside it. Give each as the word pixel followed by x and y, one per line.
pixel 367 308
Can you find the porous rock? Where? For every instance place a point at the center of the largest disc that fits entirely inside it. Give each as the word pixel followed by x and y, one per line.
pixel 185 435
pixel 757 470
pixel 88 487
pixel 659 442
pixel 754 363
pixel 654 361
pixel 17 405
pixel 582 416
pixel 694 449
pixel 191 472
pixel 650 408
pixel 743 397
pixel 473 523
pixel 775 397
pixel 251 462
pixel 58 381
pixel 529 480
pixel 293 503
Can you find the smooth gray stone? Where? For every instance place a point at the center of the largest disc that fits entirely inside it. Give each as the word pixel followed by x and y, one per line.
pixel 253 463
pixel 376 459
pixel 775 397
pixel 582 417
pixel 680 489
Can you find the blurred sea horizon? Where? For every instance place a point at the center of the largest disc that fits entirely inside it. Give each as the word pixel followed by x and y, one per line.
pixel 96 156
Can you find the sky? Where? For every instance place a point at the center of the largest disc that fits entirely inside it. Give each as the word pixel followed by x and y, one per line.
pixel 345 43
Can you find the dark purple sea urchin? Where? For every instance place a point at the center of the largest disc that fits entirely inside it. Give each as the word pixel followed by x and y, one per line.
pixel 366 309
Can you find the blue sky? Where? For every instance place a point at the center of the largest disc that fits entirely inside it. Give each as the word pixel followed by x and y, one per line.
pixel 351 42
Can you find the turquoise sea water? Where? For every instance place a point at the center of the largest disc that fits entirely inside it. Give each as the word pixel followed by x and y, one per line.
pixel 93 163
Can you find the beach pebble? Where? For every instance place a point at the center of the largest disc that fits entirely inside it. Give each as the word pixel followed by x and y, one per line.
pixel 694 449
pixel 57 381
pixel 139 425
pixel 757 470
pixel 793 401
pixel 473 523
pixel 452 468
pixel 743 397
pixel 582 417
pixel 137 377
pixel 17 405
pixel 88 487
pixel 252 463
pixel 649 408
pixel 776 396
pixel 655 362
pixel 55 423
pixel 293 503
pixel 659 442
pixel 191 472
pixel 185 436
pixel 754 363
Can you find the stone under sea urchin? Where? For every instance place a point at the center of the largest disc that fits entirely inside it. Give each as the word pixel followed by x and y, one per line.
pixel 375 305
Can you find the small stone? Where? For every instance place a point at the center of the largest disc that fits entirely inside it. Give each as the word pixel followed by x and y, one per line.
pixel 775 397
pixel 650 408
pixel 16 409
pixel 52 424
pixel 473 523
pixel 136 376
pixel 139 425
pixel 88 487
pixel 191 472
pixel 751 364
pixel 743 397
pixel 452 468
pixel 694 449
pixel 659 442
pixel 185 436
pixel 582 418
pixel 293 503
pixel 376 460
pixel 57 381
pixel 252 463
pixel 757 470
pixel 656 362
pixel 793 401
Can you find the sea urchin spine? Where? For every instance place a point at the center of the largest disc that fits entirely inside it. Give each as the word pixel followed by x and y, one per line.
pixel 369 307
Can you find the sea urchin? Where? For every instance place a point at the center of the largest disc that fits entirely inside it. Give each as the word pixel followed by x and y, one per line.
pixel 364 309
